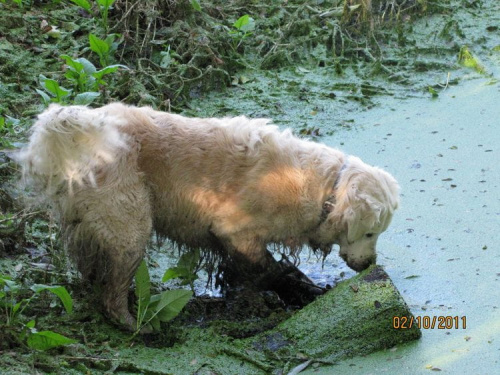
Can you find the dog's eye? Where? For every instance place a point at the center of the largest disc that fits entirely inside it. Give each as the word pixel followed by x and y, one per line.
pixel 369 235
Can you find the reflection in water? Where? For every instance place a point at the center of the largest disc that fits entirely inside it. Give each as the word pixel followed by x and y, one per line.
pixel 332 271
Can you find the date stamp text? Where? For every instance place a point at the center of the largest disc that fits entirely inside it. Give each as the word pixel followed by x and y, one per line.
pixel 430 322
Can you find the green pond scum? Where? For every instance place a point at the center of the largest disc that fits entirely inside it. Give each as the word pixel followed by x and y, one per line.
pixel 309 65
pixel 355 317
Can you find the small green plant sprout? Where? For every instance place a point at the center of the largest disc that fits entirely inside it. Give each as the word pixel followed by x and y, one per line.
pixel 242 28
pixel 104 7
pixel 196 5
pixel 7 128
pixel 12 306
pixel 185 270
pixel 168 57
pixel 154 309
pixel 467 59
pixel 105 48
pixel 433 92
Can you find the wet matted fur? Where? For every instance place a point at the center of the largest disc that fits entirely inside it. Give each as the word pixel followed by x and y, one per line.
pixel 230 185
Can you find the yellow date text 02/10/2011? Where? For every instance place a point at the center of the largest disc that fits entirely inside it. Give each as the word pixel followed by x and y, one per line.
pixel 430 322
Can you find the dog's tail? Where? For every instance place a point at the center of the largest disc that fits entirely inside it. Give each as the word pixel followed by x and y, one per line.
pixel 68 144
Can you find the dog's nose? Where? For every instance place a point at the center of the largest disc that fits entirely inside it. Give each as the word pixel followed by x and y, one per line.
pixel 361 265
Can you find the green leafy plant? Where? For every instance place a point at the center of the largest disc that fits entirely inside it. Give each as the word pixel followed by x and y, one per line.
pixel 83 76
pixel 242 28
pixel 105 48
pixel 7 125
pixel 154 309
pixel 12 306
pixel 185 269
pixel 53 91
pixel 104 7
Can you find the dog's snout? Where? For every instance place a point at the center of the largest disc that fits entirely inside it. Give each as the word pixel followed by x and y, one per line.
pixel 359 265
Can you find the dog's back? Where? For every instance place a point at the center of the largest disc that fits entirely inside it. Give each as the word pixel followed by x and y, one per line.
pixel 233 177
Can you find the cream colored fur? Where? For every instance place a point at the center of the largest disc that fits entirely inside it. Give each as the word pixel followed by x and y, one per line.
pixel 231 185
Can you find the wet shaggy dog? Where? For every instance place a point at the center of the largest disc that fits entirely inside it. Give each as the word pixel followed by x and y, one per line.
pixel 230 186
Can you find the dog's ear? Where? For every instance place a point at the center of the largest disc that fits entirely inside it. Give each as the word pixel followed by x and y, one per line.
pixel 362 215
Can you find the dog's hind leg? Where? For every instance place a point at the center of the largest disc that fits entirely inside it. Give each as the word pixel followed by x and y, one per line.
pixel 113 227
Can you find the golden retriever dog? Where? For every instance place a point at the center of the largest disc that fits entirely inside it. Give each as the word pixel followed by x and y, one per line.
pixel 229 186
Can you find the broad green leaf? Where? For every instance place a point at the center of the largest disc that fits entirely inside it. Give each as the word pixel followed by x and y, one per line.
pixel 171 273
pixel 16 307
pixel 45 97
pixel 142 290
pixel 111 38
pixel 105 3
pixel 107 70
pixel 73 75
pixel 73 64
pixel 245 23
pixel 155 323
pixel 11 285
pixel 30 324
pixel 85 98
pixel 171 303
pixel 249 26
pixel 59 291
pixel 100 47
pixel 53 87
pixel 88 67
pixel 97 45
pixel 45 340
pixel 196 5
pixel 83 3
pixel 242 21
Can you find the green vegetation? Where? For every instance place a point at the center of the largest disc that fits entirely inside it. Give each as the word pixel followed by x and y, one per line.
pixel 15 329
pixel 154 309
pixel 467 59
pixel 185 270
pixel 84 77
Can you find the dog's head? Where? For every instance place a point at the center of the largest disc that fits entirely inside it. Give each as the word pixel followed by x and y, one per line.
pixel 364 201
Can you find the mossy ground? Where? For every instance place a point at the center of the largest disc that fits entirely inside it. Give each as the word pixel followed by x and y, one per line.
pixel 304 67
